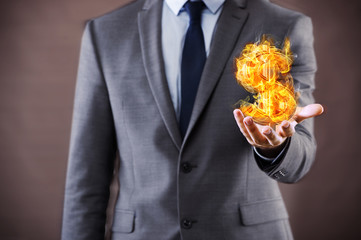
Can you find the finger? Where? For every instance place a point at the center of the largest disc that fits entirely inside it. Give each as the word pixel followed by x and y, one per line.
pixel 286 129
pixel 309 111
pixel 273 138
pixel 239 119
pixel 254 132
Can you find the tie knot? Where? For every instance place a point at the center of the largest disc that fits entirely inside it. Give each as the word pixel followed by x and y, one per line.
pixel 194 10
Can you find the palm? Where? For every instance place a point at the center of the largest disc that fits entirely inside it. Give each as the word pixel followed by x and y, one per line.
pixel 274 136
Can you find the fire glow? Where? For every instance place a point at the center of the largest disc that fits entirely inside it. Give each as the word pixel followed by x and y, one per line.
pixel 264 70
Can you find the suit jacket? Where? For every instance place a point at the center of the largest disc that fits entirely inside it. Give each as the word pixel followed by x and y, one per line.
pixel 206 186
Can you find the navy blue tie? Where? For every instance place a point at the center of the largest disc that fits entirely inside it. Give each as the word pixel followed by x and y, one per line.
pixel 193 59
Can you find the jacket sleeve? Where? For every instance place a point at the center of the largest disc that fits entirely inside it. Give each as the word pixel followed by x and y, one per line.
pixel 301 149
pixel 92 149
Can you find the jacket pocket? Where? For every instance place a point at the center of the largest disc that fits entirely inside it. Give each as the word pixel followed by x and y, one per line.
pixel 262 212
pixel 123 221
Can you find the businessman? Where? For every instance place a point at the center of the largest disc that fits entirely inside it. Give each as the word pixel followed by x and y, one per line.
pixel 156 86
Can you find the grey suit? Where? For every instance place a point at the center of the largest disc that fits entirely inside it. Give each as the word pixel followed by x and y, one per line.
pixel 211 177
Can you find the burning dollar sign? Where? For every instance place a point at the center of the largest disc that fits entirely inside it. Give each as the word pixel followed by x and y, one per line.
pixel 264 70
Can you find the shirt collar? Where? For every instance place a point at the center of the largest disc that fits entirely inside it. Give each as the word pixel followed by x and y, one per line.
pixel 177 5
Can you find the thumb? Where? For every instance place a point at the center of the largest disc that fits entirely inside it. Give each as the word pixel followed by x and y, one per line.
pixel 309 111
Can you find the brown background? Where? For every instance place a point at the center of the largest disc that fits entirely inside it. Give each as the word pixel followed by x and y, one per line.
pixel 39 49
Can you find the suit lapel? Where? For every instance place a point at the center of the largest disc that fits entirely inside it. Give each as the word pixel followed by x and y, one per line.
pixel 149 23
pixel 225 37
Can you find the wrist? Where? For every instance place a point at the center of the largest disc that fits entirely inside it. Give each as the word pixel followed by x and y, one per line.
pixel 272 152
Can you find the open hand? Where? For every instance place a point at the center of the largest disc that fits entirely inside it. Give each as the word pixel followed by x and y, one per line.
pixel 266 137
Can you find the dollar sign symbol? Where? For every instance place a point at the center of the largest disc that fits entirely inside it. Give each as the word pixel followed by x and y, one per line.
pixel 264 70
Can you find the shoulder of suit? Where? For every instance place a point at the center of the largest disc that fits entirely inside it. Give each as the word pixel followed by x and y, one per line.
pixel 267 7
pixel 273 13
pixel 121 21
pixel 124 14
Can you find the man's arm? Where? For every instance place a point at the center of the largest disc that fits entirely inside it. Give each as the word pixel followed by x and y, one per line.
pixel 92 149
pixel 301 148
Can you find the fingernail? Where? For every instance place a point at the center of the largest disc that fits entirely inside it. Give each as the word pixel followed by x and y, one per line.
pixel 267 131
pixel 236 113
pixel 286 125
pixel 248 121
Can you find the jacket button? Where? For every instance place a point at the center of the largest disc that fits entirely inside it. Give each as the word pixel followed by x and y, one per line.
pixel 186 167
pixel 280 173
pixel 186 224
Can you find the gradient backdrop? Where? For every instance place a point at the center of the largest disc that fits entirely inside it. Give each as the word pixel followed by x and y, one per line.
pixel 39 49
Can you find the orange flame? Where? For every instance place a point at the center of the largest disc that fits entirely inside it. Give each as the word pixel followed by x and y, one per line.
pixel 264 70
